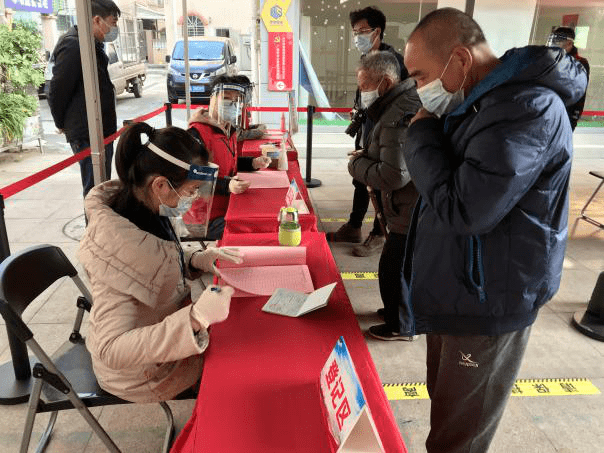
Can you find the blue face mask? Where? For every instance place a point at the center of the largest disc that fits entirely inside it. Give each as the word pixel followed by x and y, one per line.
pixel 183 206
pixel 230 112
pixel 112 34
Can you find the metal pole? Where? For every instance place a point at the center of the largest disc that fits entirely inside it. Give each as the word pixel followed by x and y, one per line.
pixel 470 7
pixel 168 114
pixel 91 89
pixel 15 376
pixel 310 182
pixel 185 36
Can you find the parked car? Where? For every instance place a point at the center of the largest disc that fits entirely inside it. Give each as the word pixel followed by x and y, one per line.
pixel 209 57
pixel 126 75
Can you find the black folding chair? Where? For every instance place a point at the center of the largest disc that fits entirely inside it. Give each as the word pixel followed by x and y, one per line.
pixel 600 176
pixel 65 381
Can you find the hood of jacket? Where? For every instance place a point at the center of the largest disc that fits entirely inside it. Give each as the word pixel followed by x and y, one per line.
pixel 545 66
pixel 114 249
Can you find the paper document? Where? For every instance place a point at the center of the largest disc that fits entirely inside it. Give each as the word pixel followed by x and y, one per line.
pixel 291 303
pixel 267 179
pixel 264 269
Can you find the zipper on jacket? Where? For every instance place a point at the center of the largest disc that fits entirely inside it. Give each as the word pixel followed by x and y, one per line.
pixel 475 267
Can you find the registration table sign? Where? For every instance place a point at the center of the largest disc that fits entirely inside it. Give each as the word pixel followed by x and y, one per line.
pixel 348 415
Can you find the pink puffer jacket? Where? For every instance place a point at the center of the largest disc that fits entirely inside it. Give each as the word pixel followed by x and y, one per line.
pixel 140 337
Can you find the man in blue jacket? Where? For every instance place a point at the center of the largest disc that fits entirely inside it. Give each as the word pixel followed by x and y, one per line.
pixel 490 154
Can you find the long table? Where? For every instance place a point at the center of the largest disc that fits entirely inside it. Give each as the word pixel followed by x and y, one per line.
pixel 260 388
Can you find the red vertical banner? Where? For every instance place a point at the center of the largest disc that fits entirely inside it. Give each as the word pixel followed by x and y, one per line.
pixel 280 61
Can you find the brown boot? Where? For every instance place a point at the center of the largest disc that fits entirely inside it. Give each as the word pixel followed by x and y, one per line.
pixel 346 233
pixel 372 246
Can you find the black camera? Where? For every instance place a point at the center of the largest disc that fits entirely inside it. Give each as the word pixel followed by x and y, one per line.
pixel 358 118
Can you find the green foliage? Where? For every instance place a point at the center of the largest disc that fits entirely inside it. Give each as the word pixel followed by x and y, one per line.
pixel 19 51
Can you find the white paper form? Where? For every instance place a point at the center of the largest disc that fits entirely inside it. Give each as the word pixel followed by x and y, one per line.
pixel 294 304
pixel 268 179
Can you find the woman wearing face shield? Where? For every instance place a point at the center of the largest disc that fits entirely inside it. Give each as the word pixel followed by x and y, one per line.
pixel 146 338
pixel 216 128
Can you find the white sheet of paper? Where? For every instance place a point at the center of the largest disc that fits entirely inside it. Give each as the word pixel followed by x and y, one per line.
pixel 268 179
pixel 292 303
pixel 264 280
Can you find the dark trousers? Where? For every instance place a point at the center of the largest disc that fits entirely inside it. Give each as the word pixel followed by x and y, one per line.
pixel 360 204
pixel 86 171
pixel 397 312
pixel 469 380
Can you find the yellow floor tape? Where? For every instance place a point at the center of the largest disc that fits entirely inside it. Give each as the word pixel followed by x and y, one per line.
pixel 359 275
pixel 522 387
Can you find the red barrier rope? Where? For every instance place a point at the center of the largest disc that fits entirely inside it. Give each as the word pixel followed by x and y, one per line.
pixel 299 109
pixel 592 113
pixel 193 106
pixel 29 181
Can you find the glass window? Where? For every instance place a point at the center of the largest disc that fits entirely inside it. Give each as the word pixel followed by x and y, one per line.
pixel 195 26
pixel 326 33
pixel 199 50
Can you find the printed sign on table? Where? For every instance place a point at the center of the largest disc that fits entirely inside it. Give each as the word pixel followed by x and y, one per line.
pixel 294 198
pixel 349 418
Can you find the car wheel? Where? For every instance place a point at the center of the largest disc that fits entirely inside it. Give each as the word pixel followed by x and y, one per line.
pixel 137 88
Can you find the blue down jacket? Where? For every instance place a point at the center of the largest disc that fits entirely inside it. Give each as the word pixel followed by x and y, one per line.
pixel 488 235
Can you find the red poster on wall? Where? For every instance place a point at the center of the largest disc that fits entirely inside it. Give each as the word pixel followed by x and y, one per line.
pixel 280 61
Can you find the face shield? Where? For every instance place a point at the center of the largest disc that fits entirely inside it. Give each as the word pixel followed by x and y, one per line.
pixel 557 40
pixel 227 103
pixel 193 223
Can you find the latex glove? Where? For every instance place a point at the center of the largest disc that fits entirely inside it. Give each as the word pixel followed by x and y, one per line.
pixel 204 260
pixel 261 162
pixel 237 185
pixel 212 306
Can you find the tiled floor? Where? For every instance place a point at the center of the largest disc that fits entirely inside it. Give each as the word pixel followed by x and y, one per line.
pixel 49 213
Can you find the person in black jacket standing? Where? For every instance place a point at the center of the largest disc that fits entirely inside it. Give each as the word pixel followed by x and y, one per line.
pixel 368 26
pixel 66 96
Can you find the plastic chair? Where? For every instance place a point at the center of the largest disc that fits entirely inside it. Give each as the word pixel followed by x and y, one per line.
pixel 65 381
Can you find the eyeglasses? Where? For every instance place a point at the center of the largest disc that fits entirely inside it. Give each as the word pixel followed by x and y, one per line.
pixel 362 31
pixel 192 193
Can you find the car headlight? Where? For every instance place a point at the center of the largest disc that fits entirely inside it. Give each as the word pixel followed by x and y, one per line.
pixel 221 70
pixel 173 71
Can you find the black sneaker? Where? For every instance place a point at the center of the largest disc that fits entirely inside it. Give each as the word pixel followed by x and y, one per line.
pixel 381 312
pixel 383 332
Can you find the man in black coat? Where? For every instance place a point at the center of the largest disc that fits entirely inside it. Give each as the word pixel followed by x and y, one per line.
pixel 66 96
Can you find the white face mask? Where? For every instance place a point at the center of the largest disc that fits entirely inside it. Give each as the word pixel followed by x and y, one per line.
pixel 183 206
pixel 369 97
pixel 363 43
pixel 112 34
pixel 436 99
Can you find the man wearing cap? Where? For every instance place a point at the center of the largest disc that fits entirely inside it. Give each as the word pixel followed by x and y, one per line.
pixel 216 128
pixel 564 37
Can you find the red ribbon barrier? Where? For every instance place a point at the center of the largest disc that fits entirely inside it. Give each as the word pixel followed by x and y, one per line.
pixel 299 109
pixel 29 181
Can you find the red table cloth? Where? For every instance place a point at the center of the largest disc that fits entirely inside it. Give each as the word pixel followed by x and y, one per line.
pixel 260 387
pixel 256 210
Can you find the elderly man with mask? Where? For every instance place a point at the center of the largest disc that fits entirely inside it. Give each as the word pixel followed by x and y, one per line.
pixel 380 165
pixel 490 154
pixel 368 25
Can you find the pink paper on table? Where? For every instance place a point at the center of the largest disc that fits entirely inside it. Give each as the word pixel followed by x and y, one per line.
pixel 267 256
pixel 266 268
pixel 264 280
pixel 268 179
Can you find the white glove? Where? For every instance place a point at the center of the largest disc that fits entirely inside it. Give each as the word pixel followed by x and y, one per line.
pixel 213 305
pixel 261 162
pixel 237 185
pixel 204 260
